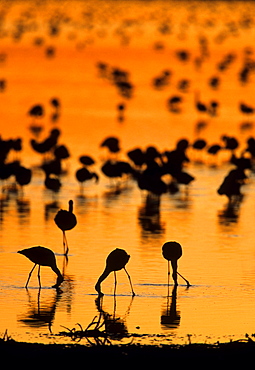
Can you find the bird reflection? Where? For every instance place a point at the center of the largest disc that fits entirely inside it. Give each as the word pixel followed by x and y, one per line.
pixel 230 213
pixel 40 314
pixel 115 326
pixel 23 209
pixel 50 209
pixel 170 317
pixel 149 218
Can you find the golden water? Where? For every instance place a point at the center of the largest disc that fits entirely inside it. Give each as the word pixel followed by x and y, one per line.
pixel 218 253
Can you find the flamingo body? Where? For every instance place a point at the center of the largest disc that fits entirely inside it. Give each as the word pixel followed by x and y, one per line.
pixel 172 251
pixel 115 261
pixel 66 220
pixel 43 257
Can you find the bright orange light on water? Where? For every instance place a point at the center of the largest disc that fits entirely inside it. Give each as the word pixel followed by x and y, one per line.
pixel 142 38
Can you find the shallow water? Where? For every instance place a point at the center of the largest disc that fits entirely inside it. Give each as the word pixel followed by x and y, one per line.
pixel 218 250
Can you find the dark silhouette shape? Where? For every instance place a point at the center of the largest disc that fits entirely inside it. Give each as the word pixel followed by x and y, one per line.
pixel 170 316
pixel 231 143
pixel 149 216
pixel 161 80
pixel 3 84
pixel 55 102
pixel 232 183
pixel 213 108
pixel 17 144
pixel 42 256
pixel 183 55
pixel 173 104
pixel 183 85
pixel 52 167
pixel 115 261
pixel 121 107
pixel 199 144
pixel 23 175
pixel 61 152
pixel 200 126
pixel 50 51
pixel 172 251
pixel 137 156
pixel 175 160
pixel 66 220
pixel 201 107
pixel 230 213
pixel 40 314
pixel 250 147
pixel 214 82
pixel 83 175
pixel 150 180
pixel 246 109
pixel 52 183
pixel 48 144
pixel 225 63
pixel 120 79
pixel 86 160
pixel 36 111
pixel 116 170
pixel 246 126
pixel 213 150
pixel 112 143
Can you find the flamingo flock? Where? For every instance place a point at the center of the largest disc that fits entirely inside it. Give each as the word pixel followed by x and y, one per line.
pixel 152 170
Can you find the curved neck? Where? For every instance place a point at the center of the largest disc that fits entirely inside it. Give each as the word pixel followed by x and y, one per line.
pixel 101 278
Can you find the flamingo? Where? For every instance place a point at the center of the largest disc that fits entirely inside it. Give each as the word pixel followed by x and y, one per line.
pixel 115 261
pixel 66 220
pixel 42 256
pixel 172 251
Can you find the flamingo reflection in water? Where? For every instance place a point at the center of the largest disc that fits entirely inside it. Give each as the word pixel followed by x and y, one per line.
pixel 172 251
pixel 42 256
pixel 170 316
pixel 115 261
pixel 40 314
pixel 115 325
pixel 66 220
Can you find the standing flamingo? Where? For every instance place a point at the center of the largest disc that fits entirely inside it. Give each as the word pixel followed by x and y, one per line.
pixel 115 261
pixel 172 251
pixel 66 220
pixel 42 256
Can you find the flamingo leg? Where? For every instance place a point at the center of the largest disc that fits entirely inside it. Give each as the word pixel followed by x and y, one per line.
pixel 65 244
pixel 29 275
pixel 38 275
pixel 129 278
pixel 168 273
pixel 115 282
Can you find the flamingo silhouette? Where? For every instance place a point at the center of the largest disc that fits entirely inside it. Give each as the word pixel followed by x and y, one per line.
pixel 115 261
pixel 42 256
pixel 66 220
pixel 172 251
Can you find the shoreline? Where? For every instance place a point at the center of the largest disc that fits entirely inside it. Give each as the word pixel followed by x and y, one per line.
pixel 233 352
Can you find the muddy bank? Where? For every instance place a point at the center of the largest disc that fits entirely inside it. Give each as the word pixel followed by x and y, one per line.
pixel 232 353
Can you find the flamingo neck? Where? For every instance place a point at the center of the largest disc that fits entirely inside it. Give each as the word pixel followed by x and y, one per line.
pixel 70 206
pixel 101 278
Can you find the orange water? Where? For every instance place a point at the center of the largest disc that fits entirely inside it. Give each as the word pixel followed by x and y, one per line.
pixel 218 253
